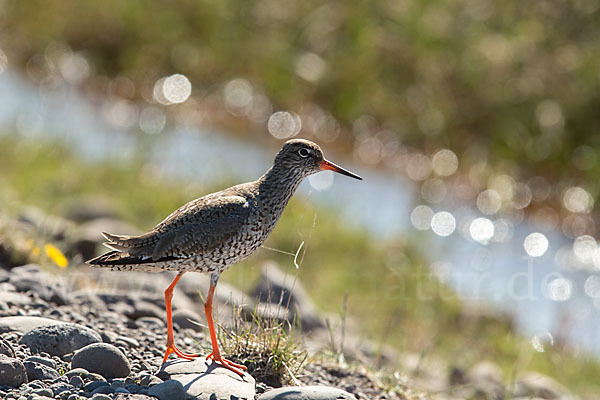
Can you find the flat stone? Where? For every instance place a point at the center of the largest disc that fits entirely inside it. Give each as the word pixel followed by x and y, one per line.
pixel 205 380
pixel 25 324
pixel 168 390
pixel 12 372
pixel 102 358
pixel 58 340
pixel 37 371
pixel 307 393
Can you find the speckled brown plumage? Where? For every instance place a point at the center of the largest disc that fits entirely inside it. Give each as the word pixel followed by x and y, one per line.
pixel 215 231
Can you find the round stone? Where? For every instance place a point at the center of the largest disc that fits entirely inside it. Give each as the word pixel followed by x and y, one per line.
pixel 102 358
pixel 12 372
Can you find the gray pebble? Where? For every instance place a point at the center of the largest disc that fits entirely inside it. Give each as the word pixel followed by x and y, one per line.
pixel 150 380
pixel 307 392
pixel 12 372
pixel 6 348
pixel 104 390
pixel 42 360
pixel 100 396
pixel 44 392
pixel 90 387
pixel 168 390
pixel 103 358
pixel 77 372
pixel 36 371
pixel 117 384
pixel 76 381
pixel 130 342
pixel 108 336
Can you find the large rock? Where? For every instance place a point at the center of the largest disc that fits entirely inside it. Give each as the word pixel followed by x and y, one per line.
pixel 307 393
pixel 58 340
pixel 278 287
pixel 25 323
pixel 205 380
pixel 102 358
pixel 534 384
pixel 12 372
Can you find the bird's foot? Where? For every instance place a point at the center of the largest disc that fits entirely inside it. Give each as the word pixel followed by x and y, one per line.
pixel 230 365
pixel 171 348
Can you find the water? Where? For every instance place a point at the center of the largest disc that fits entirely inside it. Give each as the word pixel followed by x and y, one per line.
pixel 545 294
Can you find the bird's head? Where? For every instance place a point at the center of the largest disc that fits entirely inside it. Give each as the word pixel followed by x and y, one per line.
pixel 306 158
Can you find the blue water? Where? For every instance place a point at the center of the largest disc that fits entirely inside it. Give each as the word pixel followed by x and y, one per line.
pixel 496 274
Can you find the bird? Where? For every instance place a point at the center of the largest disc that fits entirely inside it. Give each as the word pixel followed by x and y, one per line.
pixel 214 232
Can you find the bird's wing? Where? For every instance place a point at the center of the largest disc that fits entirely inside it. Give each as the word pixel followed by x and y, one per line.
pixel 197 227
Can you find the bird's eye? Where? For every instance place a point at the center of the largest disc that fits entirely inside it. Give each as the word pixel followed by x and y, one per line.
pixel 303 153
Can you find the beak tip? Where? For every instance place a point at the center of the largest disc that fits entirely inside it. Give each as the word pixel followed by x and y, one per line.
pixel 327 165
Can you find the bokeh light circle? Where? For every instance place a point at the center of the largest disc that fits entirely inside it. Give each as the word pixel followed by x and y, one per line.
pixel 535 244
pixel 443 223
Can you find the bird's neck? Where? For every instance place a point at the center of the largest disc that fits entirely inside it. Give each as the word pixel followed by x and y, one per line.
pixel 278 184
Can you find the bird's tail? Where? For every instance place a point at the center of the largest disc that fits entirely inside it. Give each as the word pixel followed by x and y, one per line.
pixel 113 258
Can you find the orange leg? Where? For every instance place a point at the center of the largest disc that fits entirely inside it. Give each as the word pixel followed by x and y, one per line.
pixel 171 348
pixel 216 353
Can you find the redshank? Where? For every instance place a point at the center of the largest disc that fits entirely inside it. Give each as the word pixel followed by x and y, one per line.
pixel 215 231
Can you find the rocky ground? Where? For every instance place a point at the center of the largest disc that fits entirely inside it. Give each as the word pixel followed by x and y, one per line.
pixel 85 333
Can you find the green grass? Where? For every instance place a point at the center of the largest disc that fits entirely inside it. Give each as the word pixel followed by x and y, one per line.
pixel 383 280
pixel 270 350
pixel 494 72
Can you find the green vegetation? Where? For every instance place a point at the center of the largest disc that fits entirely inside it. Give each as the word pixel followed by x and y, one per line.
pixel 268 348
pixel 390 292
pixel 515 86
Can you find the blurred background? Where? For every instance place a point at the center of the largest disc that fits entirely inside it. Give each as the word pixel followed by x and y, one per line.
pixel 475 124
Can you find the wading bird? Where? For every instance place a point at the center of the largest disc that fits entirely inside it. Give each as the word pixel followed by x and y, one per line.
pixel 215 231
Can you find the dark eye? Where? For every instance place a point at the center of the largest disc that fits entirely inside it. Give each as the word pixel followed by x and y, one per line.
pixel 303 153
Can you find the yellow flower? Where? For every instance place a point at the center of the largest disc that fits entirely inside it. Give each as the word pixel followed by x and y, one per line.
pixel 56 255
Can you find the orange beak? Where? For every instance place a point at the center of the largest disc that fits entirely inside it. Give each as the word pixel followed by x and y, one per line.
pixel 326 165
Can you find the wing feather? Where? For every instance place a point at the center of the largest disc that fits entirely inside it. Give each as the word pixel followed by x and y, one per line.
pixel 197 227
